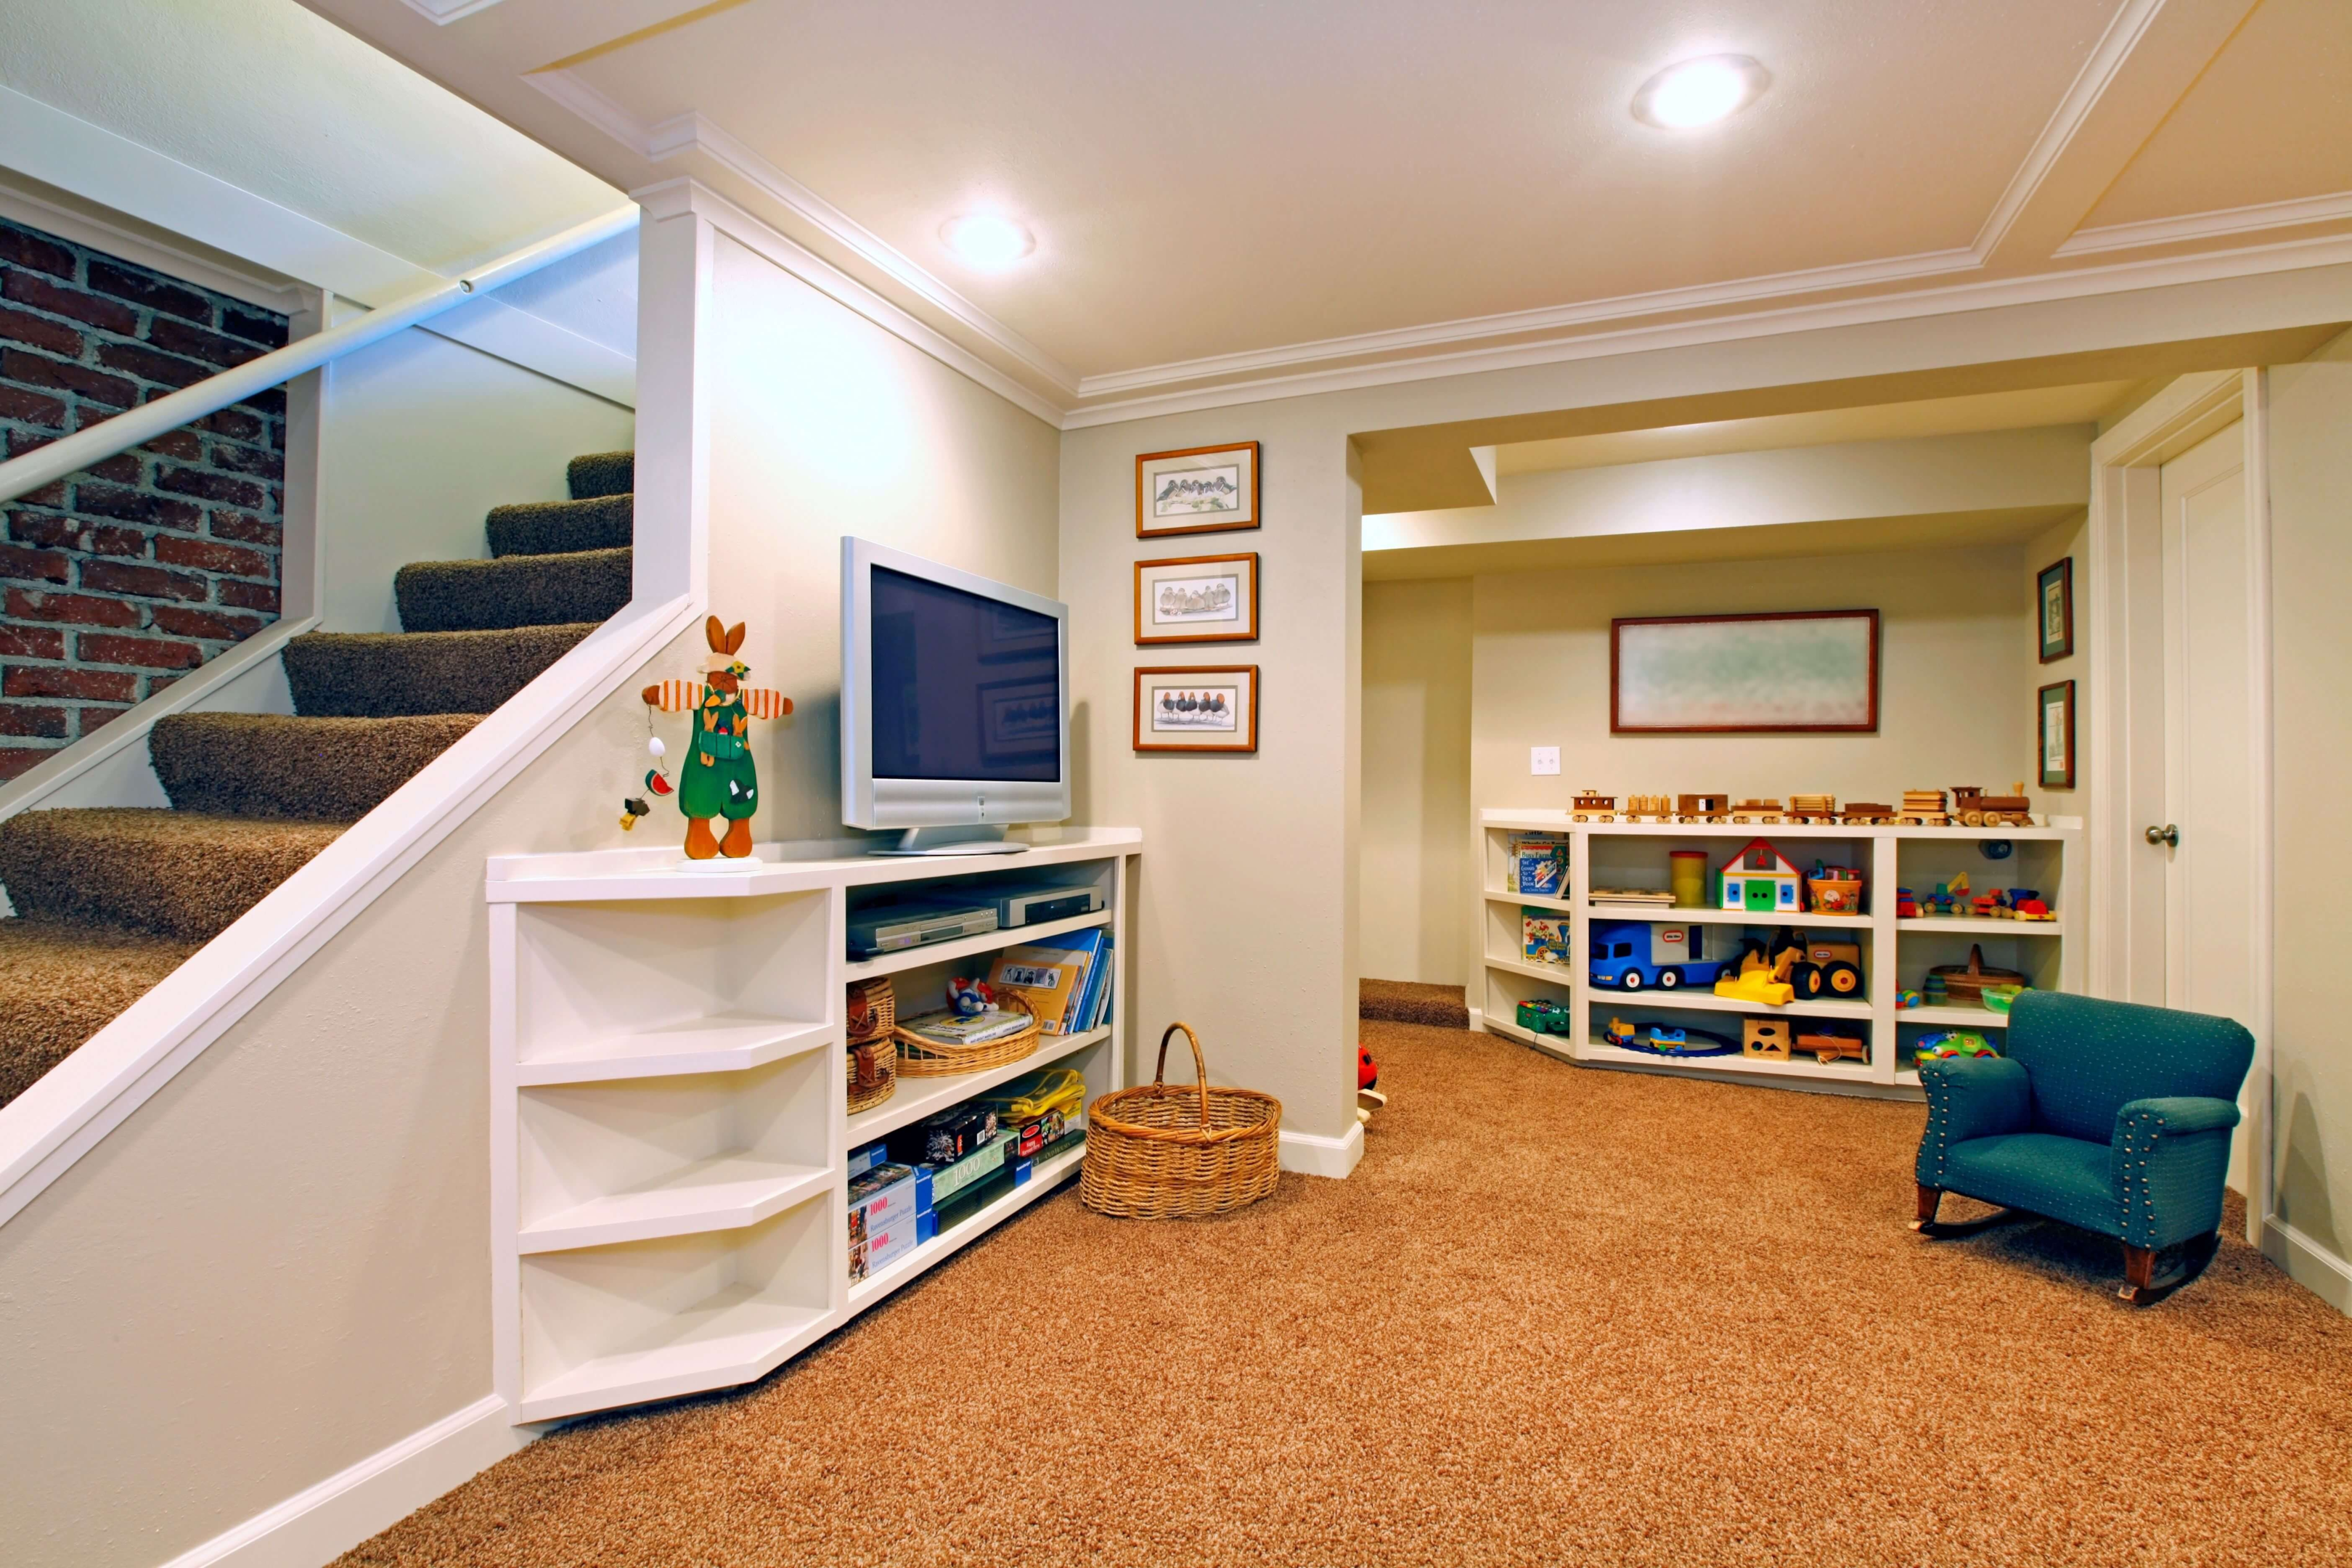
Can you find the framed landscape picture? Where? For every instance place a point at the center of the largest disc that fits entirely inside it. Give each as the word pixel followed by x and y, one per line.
pixel 1201 708
pixel 1201 489
pixel 1791 672
pixel 1196 599
pixel 2056 713
pixel 2056 599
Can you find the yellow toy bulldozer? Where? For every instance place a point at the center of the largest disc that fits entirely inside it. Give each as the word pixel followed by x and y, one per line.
pixel 1790 969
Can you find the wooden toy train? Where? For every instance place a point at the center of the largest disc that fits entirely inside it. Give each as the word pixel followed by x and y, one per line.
pixel 1968 806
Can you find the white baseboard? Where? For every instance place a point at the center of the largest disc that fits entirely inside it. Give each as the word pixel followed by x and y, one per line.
pixel 1311 1155
pixel 1477 1019
pixel 2309 1264
pixel 321 1524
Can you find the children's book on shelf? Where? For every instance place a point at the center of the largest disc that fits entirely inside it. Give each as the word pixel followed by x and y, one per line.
pixel 967 1029
pixel 1066 979
pixel 1546 937
pixel 1539 865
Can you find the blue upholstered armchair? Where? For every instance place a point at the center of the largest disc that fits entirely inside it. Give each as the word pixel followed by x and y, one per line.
pixel 2105 1115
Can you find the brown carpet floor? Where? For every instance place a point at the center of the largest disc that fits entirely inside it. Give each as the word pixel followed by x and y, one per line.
pixel 62 983
pixel 1557 1316
pixel 1411 1002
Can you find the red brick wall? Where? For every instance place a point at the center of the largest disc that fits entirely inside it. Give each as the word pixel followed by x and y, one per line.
pixel 117 580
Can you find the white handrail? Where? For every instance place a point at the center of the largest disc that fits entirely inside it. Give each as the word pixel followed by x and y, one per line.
pixel 73 453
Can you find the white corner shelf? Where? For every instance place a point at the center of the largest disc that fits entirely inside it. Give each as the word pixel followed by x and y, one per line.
pixel 726 1191
pixel 1634 854
pixel 917 1098
pixel 1043 1178
pixel 966 946
pixel 694 1046
pixel 669 1124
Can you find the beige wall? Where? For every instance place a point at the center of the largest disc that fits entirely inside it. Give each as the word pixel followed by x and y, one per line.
pixel 1955 647
pixel 1415 854
pixel 2311 578
pixel 279 1265
pixel 420 438
pixel 1245 905
pixel 2067 541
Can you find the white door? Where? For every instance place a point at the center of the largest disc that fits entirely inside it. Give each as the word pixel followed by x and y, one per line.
pixel 2209 778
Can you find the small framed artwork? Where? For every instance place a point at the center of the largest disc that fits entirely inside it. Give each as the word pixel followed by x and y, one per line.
pixel 1204 708
pixel 1196 599
pixel 2057 598
pixel 1791 672
pixel 1201 489
pixel 2056 713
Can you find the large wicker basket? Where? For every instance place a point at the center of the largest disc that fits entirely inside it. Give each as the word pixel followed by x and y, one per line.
pixel 870 1011
pixel 1163 1151
pixel 919 1057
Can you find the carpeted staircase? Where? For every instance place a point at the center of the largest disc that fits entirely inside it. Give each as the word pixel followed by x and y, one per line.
pixel 109 901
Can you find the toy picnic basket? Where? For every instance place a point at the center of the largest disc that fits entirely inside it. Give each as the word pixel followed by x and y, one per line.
pixel 1164 1150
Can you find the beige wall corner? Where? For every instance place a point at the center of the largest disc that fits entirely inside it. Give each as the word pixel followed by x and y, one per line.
pixel 1417 869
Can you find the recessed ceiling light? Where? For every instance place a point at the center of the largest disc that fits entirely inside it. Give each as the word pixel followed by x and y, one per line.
pixel 987 239
pixel 1699 92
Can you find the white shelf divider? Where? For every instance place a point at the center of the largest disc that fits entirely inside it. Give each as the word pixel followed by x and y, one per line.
pixel 669 1119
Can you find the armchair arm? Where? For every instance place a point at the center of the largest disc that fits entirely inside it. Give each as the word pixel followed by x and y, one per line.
pixel 1969 1097
pixel 2169 1160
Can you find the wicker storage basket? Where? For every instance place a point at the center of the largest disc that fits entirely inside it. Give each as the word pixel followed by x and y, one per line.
pixel 919 1057
pixel 1163 1151
pixel 871 1010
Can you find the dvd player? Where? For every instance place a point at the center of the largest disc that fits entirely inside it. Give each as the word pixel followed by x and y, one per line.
pixel 894 928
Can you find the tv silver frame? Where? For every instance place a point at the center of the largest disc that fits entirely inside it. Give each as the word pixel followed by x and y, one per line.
pixel 987 805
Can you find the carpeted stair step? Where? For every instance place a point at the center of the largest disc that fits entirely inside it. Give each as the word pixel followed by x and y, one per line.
pixel 384 674
pixel 61 982
pixel 601 474
pixel 181 874
pixel 306 768
pixel 518 591
pixel 557 527
pixel 1411 1002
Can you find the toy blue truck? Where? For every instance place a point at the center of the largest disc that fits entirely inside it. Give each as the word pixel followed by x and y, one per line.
pixel 1630 955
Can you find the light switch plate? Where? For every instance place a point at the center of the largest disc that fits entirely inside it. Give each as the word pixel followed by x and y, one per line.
pixel 1543 759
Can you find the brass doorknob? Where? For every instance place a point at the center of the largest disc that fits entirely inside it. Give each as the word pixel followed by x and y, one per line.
pixel 2168 835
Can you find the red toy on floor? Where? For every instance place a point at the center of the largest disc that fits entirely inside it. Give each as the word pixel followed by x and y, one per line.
pixel 1368 1073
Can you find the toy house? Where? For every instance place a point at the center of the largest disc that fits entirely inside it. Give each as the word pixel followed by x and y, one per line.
pixel 1759 880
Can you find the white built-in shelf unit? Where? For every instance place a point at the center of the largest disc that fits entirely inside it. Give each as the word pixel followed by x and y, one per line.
pixel 1896 954
pixel 669 1119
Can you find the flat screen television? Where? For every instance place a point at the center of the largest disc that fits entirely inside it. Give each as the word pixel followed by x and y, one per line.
pixel 954 703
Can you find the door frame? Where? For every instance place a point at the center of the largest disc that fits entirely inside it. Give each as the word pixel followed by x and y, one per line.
pixel 2125 711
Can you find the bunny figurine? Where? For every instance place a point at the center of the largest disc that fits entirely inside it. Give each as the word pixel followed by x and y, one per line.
pixel 719 778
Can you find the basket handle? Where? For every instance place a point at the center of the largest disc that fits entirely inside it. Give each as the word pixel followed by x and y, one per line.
pixel 1200 1065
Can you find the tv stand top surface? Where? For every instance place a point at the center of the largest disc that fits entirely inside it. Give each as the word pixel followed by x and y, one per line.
pixel 651 872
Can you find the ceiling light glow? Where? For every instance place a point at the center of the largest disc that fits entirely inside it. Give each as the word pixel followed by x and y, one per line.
pixel 1699 92
pixel 987 239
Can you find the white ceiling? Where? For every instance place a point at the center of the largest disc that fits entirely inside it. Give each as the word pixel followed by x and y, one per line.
pixel 1231 190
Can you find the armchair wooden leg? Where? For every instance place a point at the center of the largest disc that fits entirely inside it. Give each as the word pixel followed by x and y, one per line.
pixel 1928 1198
pixel 2139 1269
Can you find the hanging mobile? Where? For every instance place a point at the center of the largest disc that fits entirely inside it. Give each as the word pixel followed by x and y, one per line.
pixel 657 780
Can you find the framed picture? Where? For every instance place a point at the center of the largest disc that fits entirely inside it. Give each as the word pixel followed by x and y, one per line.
pixel 1794 672
pixel 1201 489
pixel 2057 600
pixel 1205 708
pixel 1196 599
pixel 2056 713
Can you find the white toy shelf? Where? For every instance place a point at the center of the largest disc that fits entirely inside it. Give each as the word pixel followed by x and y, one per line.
pixel 669 1126
pixel 1896 954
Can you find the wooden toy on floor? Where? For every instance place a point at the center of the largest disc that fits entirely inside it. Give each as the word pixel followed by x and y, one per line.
pixel 1765 1039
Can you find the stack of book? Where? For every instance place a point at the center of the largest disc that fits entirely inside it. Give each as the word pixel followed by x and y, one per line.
pixel 977 1029
pixel 1066 979
pixel 1631 897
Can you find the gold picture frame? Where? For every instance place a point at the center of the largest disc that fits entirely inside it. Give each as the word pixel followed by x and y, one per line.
pixel 1196 599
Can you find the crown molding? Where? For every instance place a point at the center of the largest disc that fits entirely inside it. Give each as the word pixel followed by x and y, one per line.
pixel 685 194
pixel 1983 294
pixel 441 12
pixel 693 132
pixel 2218 225
pixel 2124 30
